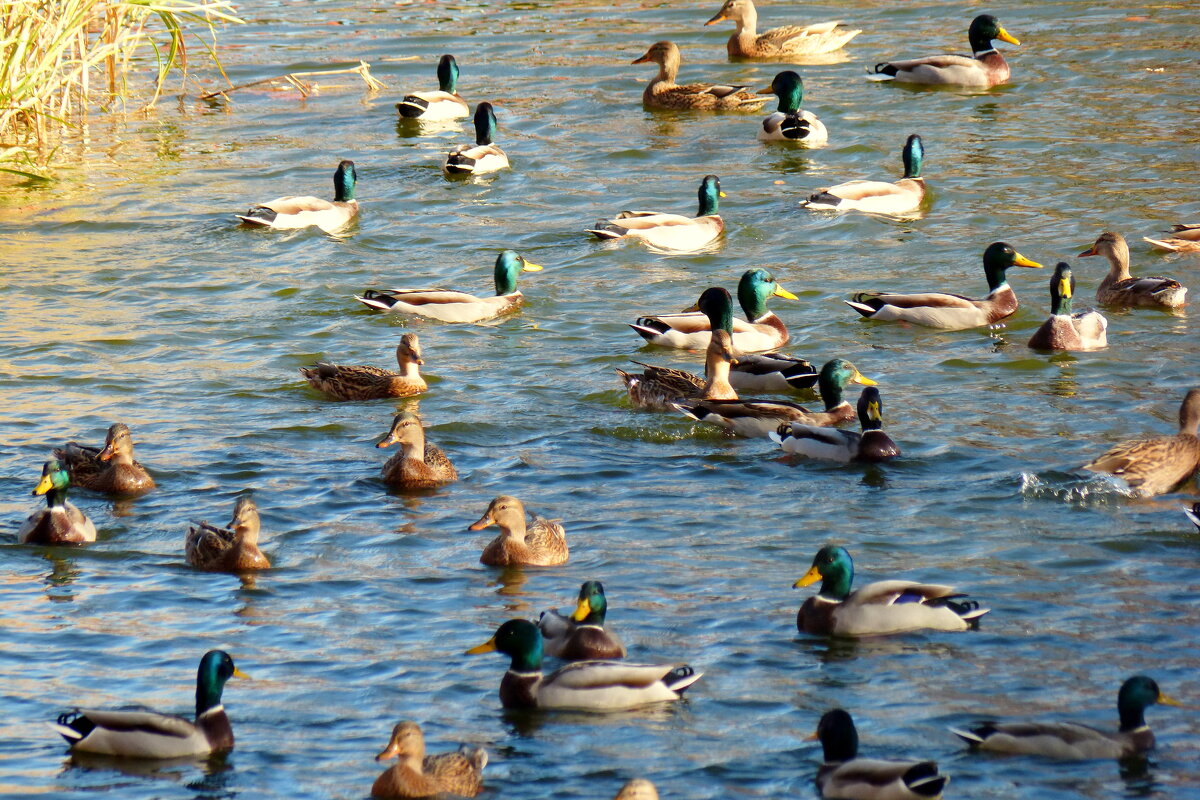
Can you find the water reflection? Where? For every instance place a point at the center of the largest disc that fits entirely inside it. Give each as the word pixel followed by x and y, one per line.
pixel 215 767
pixel 510 580
pixel 63 573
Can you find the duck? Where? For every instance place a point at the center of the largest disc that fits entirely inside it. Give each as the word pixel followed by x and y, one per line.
pixel 898 199
pixel 692 329
pixel 445 103
pixel 232 549
pixel 147 734
pixel 418 775
pixel 482 157
pixel 110 469
pixel 984 68
pixel 638 789
pixel 831 444
pixel 660 388
pixel 1073 741
pixel 580 685
pixel 1184 238
pixel 880 608
pixel 371 383
pixel 59 522
pixel 453 306
pixel 664 93
pixel 951 312
pixel 289 213
pixel 542 543
pixel 790 123
pixel 1083 330
pixel 670 232
pixel 419 464
pixel 1157 465
pixel 582 635
pixel 772 372
pixel 1119 288
pixel 787 41
pixel 847 777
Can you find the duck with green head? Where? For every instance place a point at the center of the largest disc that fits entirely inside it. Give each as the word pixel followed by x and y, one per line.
pixel 673 233
pixel 899 199
pixel 1082 330
pixel 870 445
pixel 482 157
pixel 983 69
pixel 445 103
pixel 59 522
pixel 845 776
pixel 790 123
pixel 287 213
pixel 582 635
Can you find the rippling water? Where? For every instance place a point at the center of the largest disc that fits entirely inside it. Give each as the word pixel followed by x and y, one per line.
pixel 131 296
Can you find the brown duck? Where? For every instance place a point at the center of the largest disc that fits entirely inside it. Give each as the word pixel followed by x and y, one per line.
pixel 110 469
pixel 371 383
pixel 1119 288
pixel 1157 465
pixel 663 92
pixel 232 549
pixel 419 464
pixel 419 775
pixel 543 543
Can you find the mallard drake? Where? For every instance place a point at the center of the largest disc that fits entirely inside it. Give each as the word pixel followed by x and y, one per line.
pixel 291 212
pixel 671 232
pixel 1157 465
pixel 692 330
pixel 419 775
pixel 984 68
pixel 451 306
pixel 787 41
pixel 370 383
pixel 847 777
pixel 790 123
pixel 1119 288
pixel 59 522
pixel 146 734
pixel 879 608
pixel 110 469
pixel 772 372
pixel 1083 330
pixel 660 388
pixel 582 635
pixel 483 156
pixel 1183 239
pixel 638 789
pixel 951 312
pixel 581 685
pixel 1070 740
pixel 419 464
pixel 832 444
pixel 664 93
pixel 442 104
pixel 878 197
pixel 540 544
pixel 232 549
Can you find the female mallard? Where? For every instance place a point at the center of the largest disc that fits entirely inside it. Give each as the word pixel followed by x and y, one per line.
pixel 847 777
pixel 110 469
pixel 879 608
pixel 582 685
pixel 831 444
pixel 984 68
pixel 59 522
pixel 1183 239
pixel 1083 330
pixel 787 41
pixel 451 306
pixel 232 549
pixel 664 93
pixel 951 312
pixel 790 123
pixel 673 232
pixel 1119 288
pixel 772 372
pixel 1070 740
pixel 370 383
pixel 287 213
pixel 146 734
pixel 442 104
pixel 483 156
pixel 1157 465
pixel 878 197
pixel 418 775
pixel 660 388
pixel 582 635
pixel 419 464
pixel 691 330
pixel 637 789
pixel 540 544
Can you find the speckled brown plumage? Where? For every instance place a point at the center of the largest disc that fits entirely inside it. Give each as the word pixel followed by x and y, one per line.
pixel 419 464
pixel 110 469
pixel 1155 466
pixel 232 549
pixel 1120 288
pixel 370 383
pixel 663 92
pixel 418 775
pixel 541 543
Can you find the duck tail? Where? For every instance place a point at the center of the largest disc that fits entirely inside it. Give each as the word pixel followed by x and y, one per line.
pixel 923 779
pixel 861 308
pixel 376 300
pixel 975 736
pixel 459 164
pixel 412 107
pixel 607 230
pixel 695 412
pixel 259 215
pixel 680 678
pixel 821 200
pixel 795 127
pixel 73 726
pixel 882 71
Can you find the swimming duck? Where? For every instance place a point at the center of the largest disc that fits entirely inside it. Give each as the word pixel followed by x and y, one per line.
pixel 660 388
pixel 146 734
pixel 847 777
pixel 59 522
pixel 370 383
pixel 582 635
pixel 772 372
pixel 878 197
pixel 637 789
pixel 1070 740
pixel 664 93
pixel 442 104
pixel 673 232
pixel 581 685
pixel 1157 465
pixel 419 464
pixel 790 123
pixel 1119 288
pixel 287 213
pixel 540 544
pixel 232 549
pixel 1083 330
pixel 451 306
pixel 951 312
pixel 1183 239
pixel 483 156
pixel 984 68
pixel 787 41
pixel 110 469
pixel 879 608
pixel 419 775
pixel 832 444
pixel 691 330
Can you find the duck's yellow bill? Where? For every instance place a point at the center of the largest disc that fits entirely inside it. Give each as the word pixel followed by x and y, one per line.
pixel 1022 261
pixel 237 673
pixel 1064 288
pixel 582 610
pixel 487 647
pixel 1168 701
pixel 718 18
pixel 812 576
pixel 863 380
pixel 784 293
pixel 529 266
pixel 768 90
pixel 873 412
pixel 44 485
pixel 1005 36
pixel 1091 251
pixel 722 194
